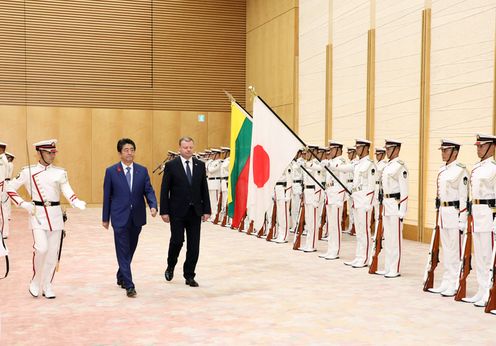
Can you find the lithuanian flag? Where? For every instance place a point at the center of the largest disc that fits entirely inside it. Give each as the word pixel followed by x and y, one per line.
pixel 239 163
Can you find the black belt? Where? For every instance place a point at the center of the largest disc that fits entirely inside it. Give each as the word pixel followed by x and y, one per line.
pixel 298 181
pixel 392 195
pixel 46 203
pixel 309 186
pixel 215 178
pixel 455 204
pixel 281 183
pixel 7 179
pixel 349 180
pixel 489 202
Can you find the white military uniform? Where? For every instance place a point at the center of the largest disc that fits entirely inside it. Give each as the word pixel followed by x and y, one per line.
pixel 224 174
pixel 483 188
pixel 395 187
pixel 296 190
pixel 213 172
pixel 364 177
pixel 45 184
pixel 452 191
pixel 350 168
pixel 4 172
pixel 311 194
pixel 283 196
pixel 6 202
pixel 335 197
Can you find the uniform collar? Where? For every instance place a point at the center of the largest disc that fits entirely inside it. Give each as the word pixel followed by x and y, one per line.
pixel 454 163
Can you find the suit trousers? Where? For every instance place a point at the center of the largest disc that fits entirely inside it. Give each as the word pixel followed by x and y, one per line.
pixel 192 224
pixel 126 240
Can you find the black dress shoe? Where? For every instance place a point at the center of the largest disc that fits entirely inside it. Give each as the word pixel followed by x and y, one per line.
pixel 169 274
pixel 192 283
pixel 121 283
pixel 131 292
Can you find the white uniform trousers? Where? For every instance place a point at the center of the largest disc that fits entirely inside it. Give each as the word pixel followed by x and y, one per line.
pixel 310 220
pixel 46 249
pixel 362 228
pixel 295 205
pixel 351 214
pixel 213 195
pixel 451 242
pixel 393 239
pixel 334 214
pixel 483 247
pixel 5 213
pixel 282 208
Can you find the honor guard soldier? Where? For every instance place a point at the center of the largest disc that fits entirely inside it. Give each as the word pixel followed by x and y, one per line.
pixel 395 186
pixel 335 196
pixel 283 196
pixel 311 199
pixel 364 177
pixel 296 187
pixel 483 191
pixel 224 173
pixel 213 173
pixel 452 194
pixel 44 182
pixel 4 163
pixel 353 160
pixel 5 198
pixel 380 156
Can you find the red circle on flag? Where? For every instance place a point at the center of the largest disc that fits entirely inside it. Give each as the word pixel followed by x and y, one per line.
pixel 261 166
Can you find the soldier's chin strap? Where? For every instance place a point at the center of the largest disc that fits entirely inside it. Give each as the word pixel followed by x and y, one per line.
pixel 487 150
pixel 43 158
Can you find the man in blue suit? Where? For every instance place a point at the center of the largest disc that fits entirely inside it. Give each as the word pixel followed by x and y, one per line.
pixel 124 186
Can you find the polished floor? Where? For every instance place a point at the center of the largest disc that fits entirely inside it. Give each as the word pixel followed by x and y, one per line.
pixel 251 293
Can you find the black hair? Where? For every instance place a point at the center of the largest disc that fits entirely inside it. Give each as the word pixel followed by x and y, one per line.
pixel 123 141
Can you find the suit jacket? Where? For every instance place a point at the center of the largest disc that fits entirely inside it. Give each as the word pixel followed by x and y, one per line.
pixel 177 195
pixel 118 201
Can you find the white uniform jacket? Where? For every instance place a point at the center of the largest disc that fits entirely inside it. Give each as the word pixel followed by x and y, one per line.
pixel 483 186
pixel 46 183
pixel 452 182
pixel 395 187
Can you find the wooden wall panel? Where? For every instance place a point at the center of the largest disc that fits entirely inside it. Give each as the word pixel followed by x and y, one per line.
pixel 72 128
pixel 271 59
pixel 109 125
pixel 259 12
pixel 219 129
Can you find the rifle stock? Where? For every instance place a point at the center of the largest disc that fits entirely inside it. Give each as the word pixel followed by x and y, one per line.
pixel 377 243
pixel 433 256
pixel 491 302
pixel 344 216
pixel 273 222
pixel 242 223
pixel 466 260
pixel 219 208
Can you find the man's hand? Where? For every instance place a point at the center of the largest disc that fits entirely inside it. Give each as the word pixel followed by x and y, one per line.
pixel 165 218
pixel 105 224
pixel 205 217
pixel 153 211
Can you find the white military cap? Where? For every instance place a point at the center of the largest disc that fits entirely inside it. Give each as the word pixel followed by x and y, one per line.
pixel 380 150
pixel 226 148
pixel 392 143
pixel 448 143
pixel 46 145
pixel 361 141
pixel 9 154
pixel 483 139
pixel 216 151
pixel 348 149
pixel 334 144
pixel 3 144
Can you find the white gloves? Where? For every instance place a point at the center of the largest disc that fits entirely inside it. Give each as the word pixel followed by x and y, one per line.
pixel 462 225
pixel 79 204
pixel 28 206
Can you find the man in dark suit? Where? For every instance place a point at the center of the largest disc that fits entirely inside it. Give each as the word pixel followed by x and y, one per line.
pixel 184 202
pixel 125 187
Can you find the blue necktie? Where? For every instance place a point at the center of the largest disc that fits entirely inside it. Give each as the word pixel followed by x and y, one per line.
pixel 128 177
pixel 188 172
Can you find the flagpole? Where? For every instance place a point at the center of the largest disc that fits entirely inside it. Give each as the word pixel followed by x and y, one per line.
pixel 252 90
pixel 232 99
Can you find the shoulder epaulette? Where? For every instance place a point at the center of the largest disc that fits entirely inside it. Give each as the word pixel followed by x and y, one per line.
pixel 57 167
pixel 401 162
pixel 493 161
pixel 461 165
